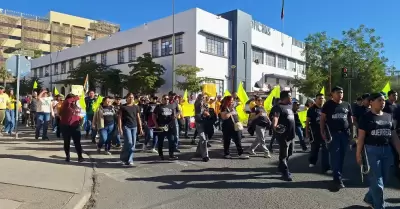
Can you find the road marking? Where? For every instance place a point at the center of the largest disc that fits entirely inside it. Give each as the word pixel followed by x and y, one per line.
pixel 181 163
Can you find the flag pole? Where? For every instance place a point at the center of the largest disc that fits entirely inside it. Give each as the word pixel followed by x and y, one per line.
pixel 283 21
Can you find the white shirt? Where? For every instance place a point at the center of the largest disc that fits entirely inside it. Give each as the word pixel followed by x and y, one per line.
pixel 44 104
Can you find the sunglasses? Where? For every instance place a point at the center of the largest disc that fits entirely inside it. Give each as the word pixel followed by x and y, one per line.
pixel 165 98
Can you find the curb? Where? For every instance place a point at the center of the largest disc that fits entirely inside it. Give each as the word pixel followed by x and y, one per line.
pixel 78 201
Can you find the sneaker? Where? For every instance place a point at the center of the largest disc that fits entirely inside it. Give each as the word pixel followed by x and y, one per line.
pixel 287 177
pixel 67 159
pixel 154 151
pixel 267 155
pixel 81 159
pixel 242 156
pixel 107 153
pixel 206 159
pixel 129 164
pixel 251 152
pixel 311 165
pixel 228 157
pixel 329 172
pixel 173 158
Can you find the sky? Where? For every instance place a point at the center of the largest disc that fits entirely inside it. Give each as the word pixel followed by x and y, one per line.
pixel 302 17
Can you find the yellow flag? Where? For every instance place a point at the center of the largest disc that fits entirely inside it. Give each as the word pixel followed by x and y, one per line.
pixel 97 103
pixel 227 93
pixel 275 93
pixel 322 91
pixel 187 109
pixel 241 93
pixel 35 85
pixel 56 91
pixel 386 89
pixel 242 115
pixel 303 117
pixel 185 95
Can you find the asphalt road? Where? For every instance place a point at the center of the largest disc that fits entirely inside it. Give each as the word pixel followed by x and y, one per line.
pixel 220 183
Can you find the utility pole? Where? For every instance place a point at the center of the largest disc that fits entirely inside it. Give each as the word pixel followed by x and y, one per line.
pixel 173 46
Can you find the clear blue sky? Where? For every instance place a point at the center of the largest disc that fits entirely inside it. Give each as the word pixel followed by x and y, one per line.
pixel 302 17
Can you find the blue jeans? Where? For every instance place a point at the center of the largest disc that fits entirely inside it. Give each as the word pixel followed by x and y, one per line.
pixel 176 135
pixel 42 121
pixel 299 133
pixel 380 159
pixel 150 135
pixel 129 144
pixel 10 121
pixel 89 120
pixel 338 148
pixel 105 137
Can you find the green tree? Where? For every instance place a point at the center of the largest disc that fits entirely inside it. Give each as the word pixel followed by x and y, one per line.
pixel 145 76
pixel 359 50
pixel 112 80
pixel 192 83
pixel 37 53
pixel 5 76
pixel 95 71
pixel 26 85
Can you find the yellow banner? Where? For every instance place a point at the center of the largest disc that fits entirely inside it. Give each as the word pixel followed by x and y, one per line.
pixel 210 89
pixel 77 90
pixel 187 110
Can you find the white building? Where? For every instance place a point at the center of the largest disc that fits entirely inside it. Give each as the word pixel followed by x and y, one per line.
pixel 229 47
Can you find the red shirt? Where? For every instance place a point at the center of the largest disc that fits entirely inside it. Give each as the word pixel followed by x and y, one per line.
pixel 70 112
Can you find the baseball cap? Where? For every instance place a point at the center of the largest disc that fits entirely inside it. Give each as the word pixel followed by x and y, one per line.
pixel 1 87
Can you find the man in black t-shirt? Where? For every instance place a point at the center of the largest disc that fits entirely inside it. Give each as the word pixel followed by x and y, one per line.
pixel 392 108
pixel 313 132
pixel 149 133
pixel 284 127
pixel 164 116
pixel 336 117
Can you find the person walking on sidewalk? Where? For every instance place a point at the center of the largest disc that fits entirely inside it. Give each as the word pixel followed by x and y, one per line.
pixel 70 121
pixel 104 121
pixel 129 124
pixel 4 101
pixel 43 114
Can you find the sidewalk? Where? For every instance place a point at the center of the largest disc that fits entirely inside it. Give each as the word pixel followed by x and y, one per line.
pixel 34 174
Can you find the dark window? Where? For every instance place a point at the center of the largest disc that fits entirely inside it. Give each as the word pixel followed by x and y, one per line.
pixel 132 53
pixel 120 56
pixel 179 44
pixel 215 45
pixel 154 48
pixel 56 69
pixel 93 58
pixel 83 59
pixel 166 46
pixel 258 56
pixel 63 67
pixel 71 65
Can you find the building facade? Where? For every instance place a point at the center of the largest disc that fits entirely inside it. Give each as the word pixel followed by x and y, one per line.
pixel 55 32
pixel 229 47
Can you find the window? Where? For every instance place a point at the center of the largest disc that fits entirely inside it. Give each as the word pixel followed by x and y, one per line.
pixel 298 43
pixel 40 72
pixel 258 56
pixel 83 59
pixel 63 67
pixel 154 48
pixel 215 45
pixel 120 56
pixel 166 46
pixel 282 62
pixel 179 44
pixel 104 58
pixel 301 67
pixel 46 71
pixel 277 81
pixel 35 73
pixel 292 64
pixel 71 65
pixel 56 69
pixel 132 53
pixel 93 58
pixel 270 59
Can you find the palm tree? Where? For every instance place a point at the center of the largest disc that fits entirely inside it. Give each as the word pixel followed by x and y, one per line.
pixel 5 75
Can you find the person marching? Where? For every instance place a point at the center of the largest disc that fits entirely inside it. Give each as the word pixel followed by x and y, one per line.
pixel 375 134
pixel 359 111
pixel 284 127
pixel 336 119
pixel 201 112
pixel 261 122
pixel 313 133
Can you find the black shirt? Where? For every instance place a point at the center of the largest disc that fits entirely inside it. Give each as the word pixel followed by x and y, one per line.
pixel 165 115
pixel 314 115
pixel 263 119
pixel 297 119
pixel 359 112
pixel 378 128
pixel 337 115
pixel 285 117
pixel 228 124
pixel 108 115
pixel 129 115
pixel 390 108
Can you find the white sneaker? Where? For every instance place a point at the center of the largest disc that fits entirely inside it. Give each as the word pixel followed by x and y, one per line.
pixel 267 155
pixel 329 172
pixel 228 157
pixel 311 165
pixel 251 152
pixel 154 151
pixel 107 153
pixel 242 156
